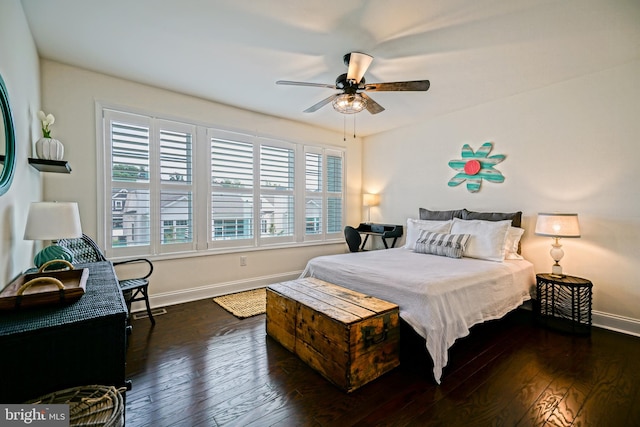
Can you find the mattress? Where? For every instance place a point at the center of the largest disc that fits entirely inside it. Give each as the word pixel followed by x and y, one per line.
pixel 440 298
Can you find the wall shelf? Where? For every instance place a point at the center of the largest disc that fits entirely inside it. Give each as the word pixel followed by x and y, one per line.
pixel 58 166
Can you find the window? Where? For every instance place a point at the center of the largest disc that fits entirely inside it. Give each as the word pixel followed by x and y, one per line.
pixel 130 186
pixel 176 186
pixel 313 188
pixel 277 189
pixel 232 182
pixel 250 191
pixel 323 192
pixel 334 193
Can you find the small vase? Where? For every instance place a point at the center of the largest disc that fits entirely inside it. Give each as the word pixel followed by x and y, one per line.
pixel 49 149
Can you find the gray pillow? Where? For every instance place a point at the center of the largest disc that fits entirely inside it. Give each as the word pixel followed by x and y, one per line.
pixel 515 217
pixel 449 245
pixel 440 215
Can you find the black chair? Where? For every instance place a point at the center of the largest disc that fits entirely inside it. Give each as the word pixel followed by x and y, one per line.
pixel 85 249
pixel 353 238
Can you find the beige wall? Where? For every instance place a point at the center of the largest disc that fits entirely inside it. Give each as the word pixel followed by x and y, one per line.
pixel 71 93
pixel 570 147
pixel 19 70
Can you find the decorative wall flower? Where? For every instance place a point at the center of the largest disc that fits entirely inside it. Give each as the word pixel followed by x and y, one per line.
pixel 47 120
pixel 474 167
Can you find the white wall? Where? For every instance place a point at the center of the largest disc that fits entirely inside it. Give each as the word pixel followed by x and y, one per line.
pixel 19 70
pixel 570 147
pixel 70 94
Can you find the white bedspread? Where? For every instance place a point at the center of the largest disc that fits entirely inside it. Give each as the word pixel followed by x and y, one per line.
pixel 441 298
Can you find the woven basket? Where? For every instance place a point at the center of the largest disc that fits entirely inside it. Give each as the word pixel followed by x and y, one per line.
pixel 91 405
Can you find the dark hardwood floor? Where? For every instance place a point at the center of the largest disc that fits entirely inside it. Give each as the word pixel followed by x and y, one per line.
pixel 201 366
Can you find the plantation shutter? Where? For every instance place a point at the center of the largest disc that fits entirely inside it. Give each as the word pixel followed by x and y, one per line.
pixel 232 183
pixel 130 184
pixel 277 192
pixel 176 185
pixel 335 192
pixel 314 193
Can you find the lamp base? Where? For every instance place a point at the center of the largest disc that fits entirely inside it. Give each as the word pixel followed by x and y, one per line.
pixel 52 252
pixel 556 271
pixel 557 253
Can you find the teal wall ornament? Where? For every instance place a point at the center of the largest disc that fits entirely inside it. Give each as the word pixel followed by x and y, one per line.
pixel 474 167
pixel 7 141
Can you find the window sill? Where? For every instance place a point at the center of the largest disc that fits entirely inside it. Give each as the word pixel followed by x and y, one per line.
pixel 214 252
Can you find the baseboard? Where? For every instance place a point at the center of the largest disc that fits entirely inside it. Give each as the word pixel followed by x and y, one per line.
pixel 209 291
pixel 613 322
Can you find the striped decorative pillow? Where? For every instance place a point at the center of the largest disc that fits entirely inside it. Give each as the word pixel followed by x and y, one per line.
pixel 449 245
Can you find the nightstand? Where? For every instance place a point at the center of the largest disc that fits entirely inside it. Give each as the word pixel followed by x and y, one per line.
pixel 564 303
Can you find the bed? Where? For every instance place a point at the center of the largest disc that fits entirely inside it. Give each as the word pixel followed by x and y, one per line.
pixel 440 297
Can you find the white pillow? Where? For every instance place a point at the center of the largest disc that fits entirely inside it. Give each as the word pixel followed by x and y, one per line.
pixel 487 237
pixel 514 234
pixel 414 226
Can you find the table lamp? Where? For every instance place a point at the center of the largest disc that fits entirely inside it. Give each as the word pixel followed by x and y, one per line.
pixel 369 200
pixel 557 225
pixel 53 221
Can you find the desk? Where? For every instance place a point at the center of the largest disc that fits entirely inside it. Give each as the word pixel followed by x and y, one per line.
pixel 46 349
pixel 385 231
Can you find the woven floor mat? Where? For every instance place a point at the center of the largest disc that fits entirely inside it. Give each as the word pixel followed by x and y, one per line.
pixel 244 304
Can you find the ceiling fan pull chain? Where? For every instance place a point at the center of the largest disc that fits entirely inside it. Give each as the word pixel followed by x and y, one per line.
pixel 354 126
pixel 344 128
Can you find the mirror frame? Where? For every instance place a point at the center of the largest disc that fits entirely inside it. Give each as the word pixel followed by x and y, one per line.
pixel 6 176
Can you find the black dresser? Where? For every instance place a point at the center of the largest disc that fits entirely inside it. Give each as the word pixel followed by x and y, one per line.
pixel 52 348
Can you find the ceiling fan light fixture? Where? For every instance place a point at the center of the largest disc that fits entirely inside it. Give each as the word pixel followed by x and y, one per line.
pixel 349 103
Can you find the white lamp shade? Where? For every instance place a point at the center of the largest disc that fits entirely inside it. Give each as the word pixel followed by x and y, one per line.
pixel 53 221
pixel 358 64
pixel 558 225
pixel 370 199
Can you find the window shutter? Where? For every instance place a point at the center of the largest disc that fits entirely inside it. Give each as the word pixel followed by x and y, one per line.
pixel 232 190
pixel 335 184
pixel 277 191
pixel 176 194
pixel 130 195
pixel 314 193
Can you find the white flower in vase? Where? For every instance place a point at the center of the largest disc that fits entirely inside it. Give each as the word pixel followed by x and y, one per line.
pixel 46 147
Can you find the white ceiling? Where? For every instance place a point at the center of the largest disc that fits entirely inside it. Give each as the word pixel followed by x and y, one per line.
pixel 233 51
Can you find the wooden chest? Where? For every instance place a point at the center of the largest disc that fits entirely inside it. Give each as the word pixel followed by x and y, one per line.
pixel 348 337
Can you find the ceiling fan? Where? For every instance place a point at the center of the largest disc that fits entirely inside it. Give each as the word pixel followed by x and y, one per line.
pixel 353 85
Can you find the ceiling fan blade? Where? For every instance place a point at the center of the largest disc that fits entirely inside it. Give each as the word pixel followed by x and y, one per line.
pixel 372 106
pixel 416 85
pixel 358 65
pixel 317 106
pixel 290 83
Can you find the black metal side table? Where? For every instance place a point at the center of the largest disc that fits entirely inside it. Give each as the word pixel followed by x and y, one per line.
pixel 564 303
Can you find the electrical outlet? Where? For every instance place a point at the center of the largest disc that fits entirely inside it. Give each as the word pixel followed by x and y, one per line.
pixel 243 261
